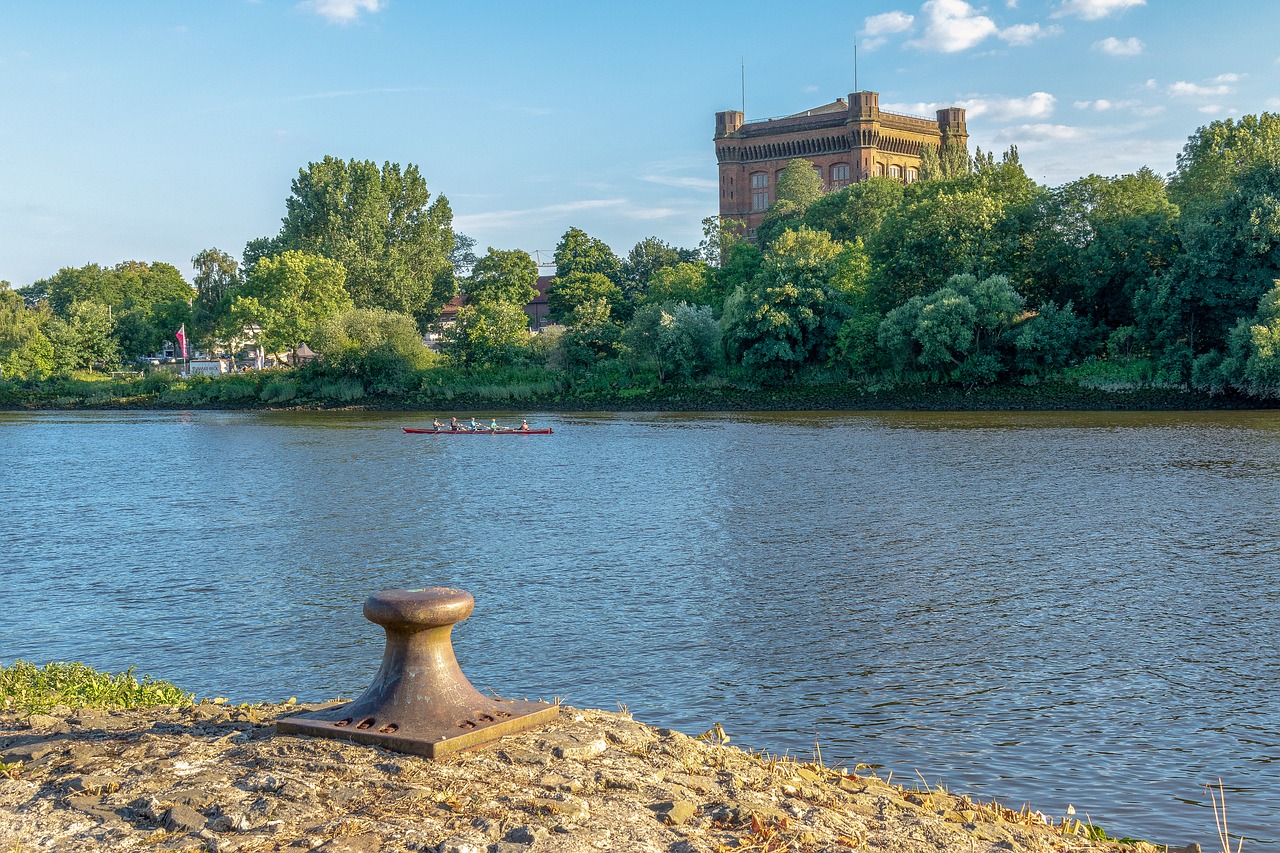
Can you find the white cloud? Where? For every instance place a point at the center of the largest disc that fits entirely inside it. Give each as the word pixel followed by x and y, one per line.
pixel 1024 34
pixel 341 11
pixel 683 183
pixel 1103 105
pixel 1093 10
pixel 1035 105
pixel 1228 78
pixel 876 27
pixel 1037 134
pixel 1210 109
pixel 1183 89
pixel 1119 47
pixel 500 218
pixel 646 214
pixel 953 26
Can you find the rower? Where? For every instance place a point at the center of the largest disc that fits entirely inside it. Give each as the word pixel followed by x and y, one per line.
pixel 524 425
pixel 474 426
pixel 436 423
pixel 453 423
pixel 493 425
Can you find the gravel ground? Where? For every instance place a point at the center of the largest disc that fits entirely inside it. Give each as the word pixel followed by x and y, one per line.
pixel 219 778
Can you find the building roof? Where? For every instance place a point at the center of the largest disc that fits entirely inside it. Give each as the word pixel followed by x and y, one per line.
pixel 839 105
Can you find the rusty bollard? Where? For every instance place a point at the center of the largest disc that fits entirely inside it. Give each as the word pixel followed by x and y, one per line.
pixel 420 702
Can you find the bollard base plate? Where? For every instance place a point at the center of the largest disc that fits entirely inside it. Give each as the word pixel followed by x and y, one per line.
pixel 502 717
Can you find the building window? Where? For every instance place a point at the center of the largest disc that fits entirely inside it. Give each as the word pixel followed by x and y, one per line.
pixel 895 172
pixel 759 191
pixel 879 170
pixel 839 176
pixel 817 170
pixel 751 234
pixel 913 175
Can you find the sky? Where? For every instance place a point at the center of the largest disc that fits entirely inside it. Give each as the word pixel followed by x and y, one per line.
pixel 136 130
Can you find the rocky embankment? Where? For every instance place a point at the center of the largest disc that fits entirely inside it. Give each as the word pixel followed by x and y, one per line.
pixel 219 778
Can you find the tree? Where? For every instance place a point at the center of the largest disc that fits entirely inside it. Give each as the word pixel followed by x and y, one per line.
pixel 485 335
pixel 954 333
pixel 685 282
pixel 644 260
pixel 288 296
pixel 381 225
pixel 1230 257
pixel 84 338
pixel 856 211
pixel 790 313
pixel 943 227
pixel 681 339
pixel 1050 340
pixel 25 352
pixel 569 292
pixel 129 284
pixel 799 186
pixel 379 347
pixel 577 252
pixel 502 277
pixel 1217 154
pixel 217 274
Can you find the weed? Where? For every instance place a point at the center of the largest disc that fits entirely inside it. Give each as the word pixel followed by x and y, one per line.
pixel 29 689
pixel 1219 799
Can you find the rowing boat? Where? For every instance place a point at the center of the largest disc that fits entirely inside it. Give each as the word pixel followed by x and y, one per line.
pixel 483 431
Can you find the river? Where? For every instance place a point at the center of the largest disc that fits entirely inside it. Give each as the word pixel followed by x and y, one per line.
pixel 1047 608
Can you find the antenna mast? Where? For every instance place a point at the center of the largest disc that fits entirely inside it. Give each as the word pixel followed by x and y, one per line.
pixel 744 88
pixel 855 65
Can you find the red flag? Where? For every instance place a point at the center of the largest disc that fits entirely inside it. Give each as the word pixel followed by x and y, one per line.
pixel 182 339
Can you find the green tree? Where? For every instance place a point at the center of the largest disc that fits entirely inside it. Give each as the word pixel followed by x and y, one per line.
pixel 379 347
pixel 644 260
pixel 288 296
pixel 84 338
pixel 790 313
pixel 799 186
pixel 569 292
pixel 381 225
pixel 130 284
pixel 577 252
pixel 216 275
pixel 1215 157
pixel 953 334
pixel 857 211
pixel 25 352
pixel 681 339
pixel 486 335
pixel 1049 341
pixel 502 277
pixel 684 282
pixel 1230 257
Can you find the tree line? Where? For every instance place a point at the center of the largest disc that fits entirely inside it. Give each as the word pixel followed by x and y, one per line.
pixel 974 274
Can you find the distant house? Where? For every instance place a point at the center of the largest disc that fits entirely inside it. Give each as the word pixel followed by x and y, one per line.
pixel 537 309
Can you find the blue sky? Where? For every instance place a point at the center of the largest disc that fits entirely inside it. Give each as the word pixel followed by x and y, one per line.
pixel 153 130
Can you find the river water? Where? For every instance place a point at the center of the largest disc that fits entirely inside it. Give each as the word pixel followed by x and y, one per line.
pixel 1053 608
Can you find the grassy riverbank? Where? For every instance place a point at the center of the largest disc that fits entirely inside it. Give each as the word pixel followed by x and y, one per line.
pixel 543 390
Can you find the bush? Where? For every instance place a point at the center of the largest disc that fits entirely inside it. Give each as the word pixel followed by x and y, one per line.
pixel 29 689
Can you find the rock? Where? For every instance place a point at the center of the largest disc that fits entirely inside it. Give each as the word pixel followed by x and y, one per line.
pixel 576 747
pixel 526 757
pixel 490 829
pixel 365 843
pixel 570 810
pixel 31 753
pixel 230 823
pixel 556 782
pixel 528 835
pixel 46 721
pixel 675 812
pixel 460 845
pixel 93 805
pixel 93 785
pixel 509 847
pixel 182 818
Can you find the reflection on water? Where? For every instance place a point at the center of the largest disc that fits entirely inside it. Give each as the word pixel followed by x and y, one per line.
pixel 1054 608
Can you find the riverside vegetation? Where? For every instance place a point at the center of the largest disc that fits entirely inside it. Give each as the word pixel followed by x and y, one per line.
pixel 147 774
pixel 972 287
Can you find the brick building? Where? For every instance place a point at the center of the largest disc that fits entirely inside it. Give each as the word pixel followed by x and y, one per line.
pixel 847 141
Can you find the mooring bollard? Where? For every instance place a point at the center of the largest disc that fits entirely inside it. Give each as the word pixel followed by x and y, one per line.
pixel 420 702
